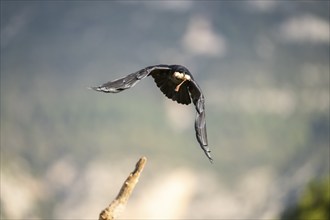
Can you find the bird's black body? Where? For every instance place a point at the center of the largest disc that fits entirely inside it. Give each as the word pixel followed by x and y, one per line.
pixel 167 84
pixel 177 83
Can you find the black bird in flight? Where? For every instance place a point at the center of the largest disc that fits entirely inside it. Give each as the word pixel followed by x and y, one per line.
pixel 177 83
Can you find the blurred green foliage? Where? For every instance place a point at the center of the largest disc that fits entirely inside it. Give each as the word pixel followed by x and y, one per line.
pixel 313 204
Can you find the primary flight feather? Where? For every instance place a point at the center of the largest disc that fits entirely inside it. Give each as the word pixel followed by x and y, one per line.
pixel 177 83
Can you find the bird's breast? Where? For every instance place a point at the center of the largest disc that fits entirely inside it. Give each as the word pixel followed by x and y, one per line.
pixel 175 80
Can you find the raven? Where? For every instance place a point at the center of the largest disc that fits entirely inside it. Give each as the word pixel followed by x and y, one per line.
pixel 177 83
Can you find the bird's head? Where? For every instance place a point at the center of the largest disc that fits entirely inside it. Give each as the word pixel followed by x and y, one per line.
pixel 181 73
pixel 181 76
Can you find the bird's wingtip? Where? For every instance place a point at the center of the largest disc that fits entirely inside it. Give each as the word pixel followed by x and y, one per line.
pixel 93 88
pixel 208 154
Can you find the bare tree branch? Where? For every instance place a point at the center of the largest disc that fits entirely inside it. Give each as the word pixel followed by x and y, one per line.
pixel 119 203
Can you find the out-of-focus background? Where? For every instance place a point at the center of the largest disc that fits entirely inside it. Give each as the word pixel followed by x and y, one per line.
pixel 262 65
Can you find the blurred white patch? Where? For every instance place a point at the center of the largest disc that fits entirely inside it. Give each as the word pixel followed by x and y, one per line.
pixel 305 29
pixel 249 187
pixel 201 39
pixel 20 192
pixel 61 174
pixel 254 196
pixel 93 190
pixel 181 117
pixel 167 197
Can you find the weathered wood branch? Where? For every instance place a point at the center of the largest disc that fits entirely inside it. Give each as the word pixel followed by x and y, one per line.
pixel 119 203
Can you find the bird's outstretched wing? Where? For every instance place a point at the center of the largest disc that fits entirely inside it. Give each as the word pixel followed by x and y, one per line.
pixel 200 123
pixel 130 80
